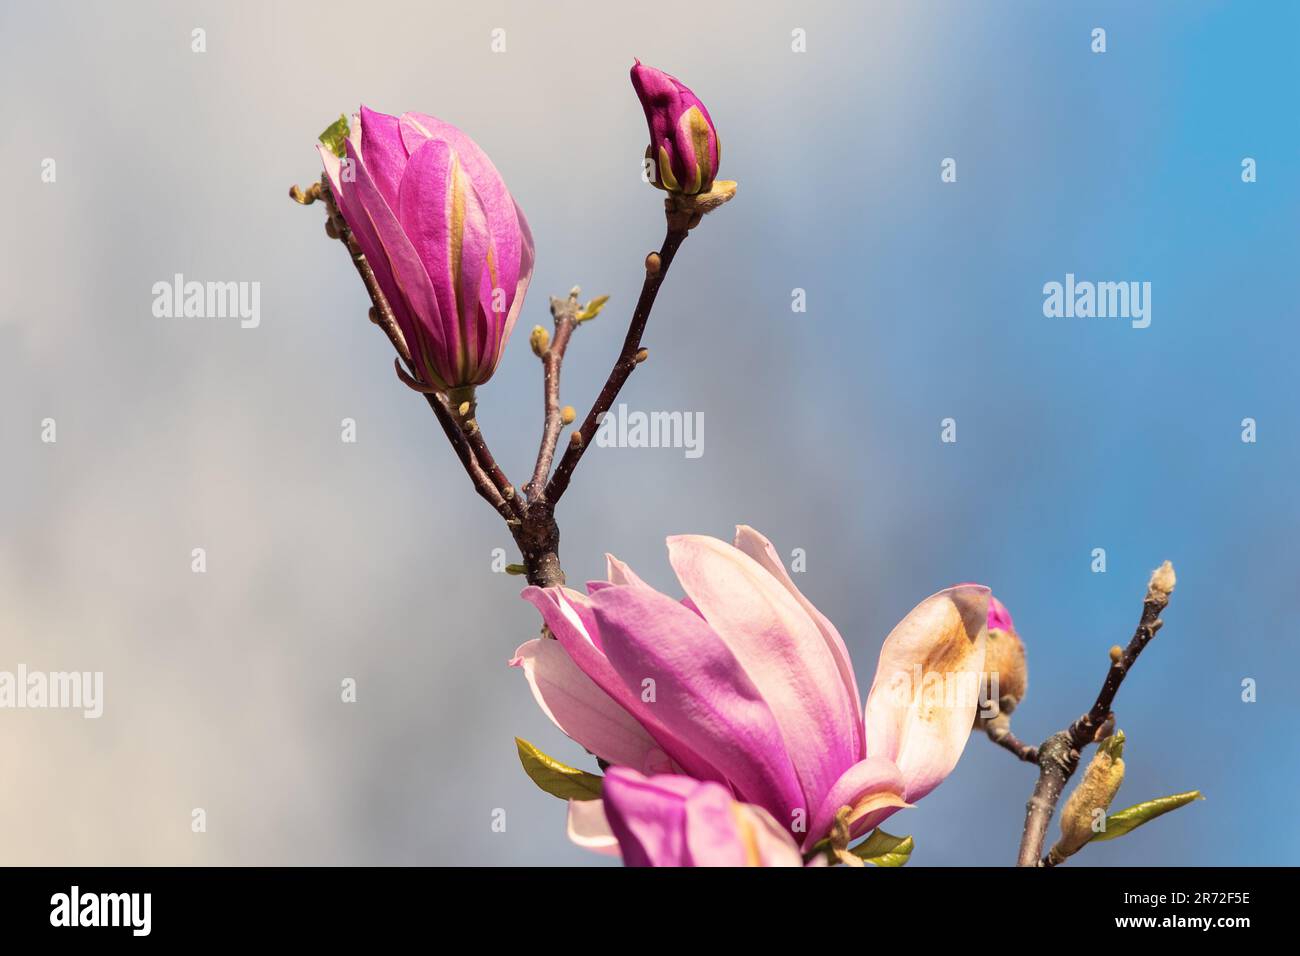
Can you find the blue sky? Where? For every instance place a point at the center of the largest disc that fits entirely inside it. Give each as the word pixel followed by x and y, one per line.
pixel 823 428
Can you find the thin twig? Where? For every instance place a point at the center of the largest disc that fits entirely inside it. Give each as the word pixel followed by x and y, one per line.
pixel 382 313
pixel 468 422
pixel 998 730
pixel 382 316
pixel 532 523
pixel 482 484
pixel 565 313
pixel 628 358
pixel 1058 756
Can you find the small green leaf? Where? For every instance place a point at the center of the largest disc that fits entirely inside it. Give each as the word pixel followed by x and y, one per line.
pixel 336 135
pixel 592 308
pixel 881 849
pixel 558 779
pixel 1118 824
pixel 1113 745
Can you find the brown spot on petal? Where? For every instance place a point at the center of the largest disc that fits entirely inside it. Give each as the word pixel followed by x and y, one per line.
pixel 963 620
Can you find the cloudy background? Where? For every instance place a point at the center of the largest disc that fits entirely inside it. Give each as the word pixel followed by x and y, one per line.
pixel 372 560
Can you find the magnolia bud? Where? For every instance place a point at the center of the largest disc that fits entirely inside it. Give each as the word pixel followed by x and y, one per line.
pixel 1161 584
pixel 540 340
pixel 1006 670
pixel 1094 793
pixel 431 253
pixel 683 143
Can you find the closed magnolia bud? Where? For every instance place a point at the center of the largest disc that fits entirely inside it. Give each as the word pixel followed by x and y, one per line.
pixel 540 340
pixel 1005 667
pixel 449 247
pixel 683 146
pixel 1091 798
pixel 1162 582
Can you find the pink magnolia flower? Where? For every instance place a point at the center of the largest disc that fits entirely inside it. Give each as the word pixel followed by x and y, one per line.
pixel 747 686
pixel 450 247
pixel 683 143
pixel 673 820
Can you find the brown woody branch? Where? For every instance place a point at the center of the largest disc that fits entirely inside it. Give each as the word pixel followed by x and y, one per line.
pixel 1058 756
pixel 532 522
pixel 565 313
pixel 998 730
pixel 465 415
pixel 656 269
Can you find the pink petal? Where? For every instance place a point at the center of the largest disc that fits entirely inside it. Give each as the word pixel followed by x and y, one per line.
pixel 760 549
pixel 425 210
pixel 925 693
pixel 766 842
pixel 648 817
pixel 488 324
pixel 701 693
pixel 588 828
pixel 475 283
pixel 620 573
pixel 504 221
pixel 676 821
pixel 527 258
pixel 585 712
pixel 571 619
pixel 385 155
pixel 872 784
pixel 781 650
pixel 999 616
pixel 424 326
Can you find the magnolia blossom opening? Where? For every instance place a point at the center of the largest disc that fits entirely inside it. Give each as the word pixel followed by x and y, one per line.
pixel 746 687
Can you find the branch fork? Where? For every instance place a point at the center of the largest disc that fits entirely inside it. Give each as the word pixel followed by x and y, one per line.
pixel 530 516
pixel 1058 757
